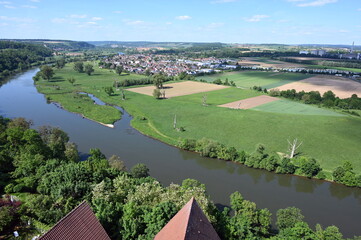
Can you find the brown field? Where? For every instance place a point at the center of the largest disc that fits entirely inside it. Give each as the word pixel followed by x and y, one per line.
pixel 276 64
pixel 179 89
pixel 250 102
pixel 342 87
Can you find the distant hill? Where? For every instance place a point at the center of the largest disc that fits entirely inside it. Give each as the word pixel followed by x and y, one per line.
pixel 146 44
pixel 58 45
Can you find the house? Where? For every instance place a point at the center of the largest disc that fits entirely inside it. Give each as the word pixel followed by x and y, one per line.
pixel 189 223
pixel 81 224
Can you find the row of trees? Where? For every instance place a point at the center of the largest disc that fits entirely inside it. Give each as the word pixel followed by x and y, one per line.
pixel 218 81
pixel 328 99
pixel 44 166
pixel 300 165
pixel 80 67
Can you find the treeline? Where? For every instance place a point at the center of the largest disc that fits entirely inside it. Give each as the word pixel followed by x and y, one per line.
pixel 328 99
pixel 43 168
pixel 340 63
pixel 260 159
pixel 345 64
pixel 16 56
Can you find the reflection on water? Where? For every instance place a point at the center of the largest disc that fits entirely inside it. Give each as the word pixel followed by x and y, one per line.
pixel 321 202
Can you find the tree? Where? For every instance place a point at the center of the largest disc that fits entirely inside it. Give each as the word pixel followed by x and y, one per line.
pixel 79 67
pixel 47 72
pixel 109 90
pixel 116 162
pixel 71 80
pixel 60 63
pixel 140 170
pixel 288 217
pixel 119 69
pixel 88 68
pixel 158 80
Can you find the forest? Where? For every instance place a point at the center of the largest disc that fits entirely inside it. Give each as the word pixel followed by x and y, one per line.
pixel 16 56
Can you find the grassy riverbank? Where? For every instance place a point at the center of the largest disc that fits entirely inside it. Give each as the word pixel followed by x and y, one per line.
pixel 330 138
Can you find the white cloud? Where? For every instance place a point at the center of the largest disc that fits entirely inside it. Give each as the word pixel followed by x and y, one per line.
pixel 117 12
pixel 92 23
pixel 168 23
pixel 9 6
pixel 317 3
pixel 5 2
pixel 183 17
pixel 78 16
pixel 58 20
pixel 359 9
pixel 223 1
pixel 256 18
pixel 29 6
pixel 344 31
pixel 4 24
pixel 16 19
pixel 137 22
pixel 34 0
pixel 96 18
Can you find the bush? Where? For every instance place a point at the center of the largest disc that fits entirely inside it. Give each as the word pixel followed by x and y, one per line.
pixel 156 93
pixel 187 144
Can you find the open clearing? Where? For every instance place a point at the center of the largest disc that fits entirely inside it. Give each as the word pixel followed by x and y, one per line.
pixel 247 79
pixel 179 89
pixel 291 107
pixel 342 87
pixel 250 102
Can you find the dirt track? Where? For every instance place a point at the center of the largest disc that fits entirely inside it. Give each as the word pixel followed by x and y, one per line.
pixel 250 102
pixel 179 89
pixel 342 87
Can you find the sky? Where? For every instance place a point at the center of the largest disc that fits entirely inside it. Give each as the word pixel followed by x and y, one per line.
pixel 227 21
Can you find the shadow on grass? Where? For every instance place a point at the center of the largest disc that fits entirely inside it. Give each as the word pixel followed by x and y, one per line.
pixel 57 79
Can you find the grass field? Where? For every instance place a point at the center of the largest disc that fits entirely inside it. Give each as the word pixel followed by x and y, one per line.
pixel 330 139
pixel 60 90
pixel 291 107
pixel 247 79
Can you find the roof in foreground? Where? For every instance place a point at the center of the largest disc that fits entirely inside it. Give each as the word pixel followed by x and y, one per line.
pixel 80 224
pixel 189 223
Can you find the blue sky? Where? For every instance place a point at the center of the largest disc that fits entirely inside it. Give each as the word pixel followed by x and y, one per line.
pixel 229 21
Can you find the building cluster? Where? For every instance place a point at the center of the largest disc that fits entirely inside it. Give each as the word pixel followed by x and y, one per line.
pixel 320 52
pixel 169 65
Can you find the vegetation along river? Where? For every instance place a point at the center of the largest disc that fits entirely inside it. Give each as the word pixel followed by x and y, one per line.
pixel 321 202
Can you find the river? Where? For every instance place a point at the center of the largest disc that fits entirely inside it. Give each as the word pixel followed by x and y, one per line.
pixel 321 202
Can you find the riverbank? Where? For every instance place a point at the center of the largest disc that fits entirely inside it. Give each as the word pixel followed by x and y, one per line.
pixel 329 139
pixel 321 202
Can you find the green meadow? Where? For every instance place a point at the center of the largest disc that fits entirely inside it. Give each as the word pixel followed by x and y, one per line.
pixel 291 107
pixel 327 136
pixel 247 79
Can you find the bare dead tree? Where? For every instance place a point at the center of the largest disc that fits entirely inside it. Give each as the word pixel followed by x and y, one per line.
pixel 204 100
pixel 175 121
pixel 293 146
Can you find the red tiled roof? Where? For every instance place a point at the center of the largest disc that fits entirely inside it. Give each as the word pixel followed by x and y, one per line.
pixel 189 223
pixel 79 224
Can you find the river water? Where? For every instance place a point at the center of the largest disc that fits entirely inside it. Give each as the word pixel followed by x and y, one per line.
pixel 320 202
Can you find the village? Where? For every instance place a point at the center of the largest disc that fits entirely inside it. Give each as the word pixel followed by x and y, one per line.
pixel 168 64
